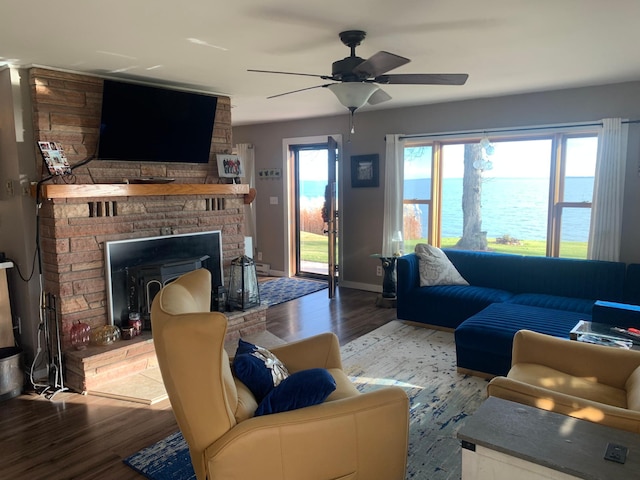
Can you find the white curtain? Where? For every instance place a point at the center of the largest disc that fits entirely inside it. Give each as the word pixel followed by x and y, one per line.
pixel 608 190
pixel 393 194
pixel 246 153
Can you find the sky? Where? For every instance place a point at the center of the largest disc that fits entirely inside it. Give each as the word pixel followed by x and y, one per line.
pixel 530 158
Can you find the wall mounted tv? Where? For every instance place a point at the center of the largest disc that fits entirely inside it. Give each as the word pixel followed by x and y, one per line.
pixel 150 124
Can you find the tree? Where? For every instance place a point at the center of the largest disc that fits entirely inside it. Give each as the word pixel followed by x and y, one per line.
pixel 473 238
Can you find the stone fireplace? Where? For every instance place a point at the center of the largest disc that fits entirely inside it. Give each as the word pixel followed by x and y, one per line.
pixel 99 204
pixel 73 236
pixel 73 239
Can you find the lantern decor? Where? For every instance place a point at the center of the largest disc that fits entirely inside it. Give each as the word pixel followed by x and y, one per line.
pixel 80 335
pixel 243 290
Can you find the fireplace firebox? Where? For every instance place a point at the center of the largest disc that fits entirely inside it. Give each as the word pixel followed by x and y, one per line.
pixel 138 268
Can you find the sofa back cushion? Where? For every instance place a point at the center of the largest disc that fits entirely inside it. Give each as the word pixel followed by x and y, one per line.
pixel 588 279
pixel 632 284
pixel 486 269
pixel 567 277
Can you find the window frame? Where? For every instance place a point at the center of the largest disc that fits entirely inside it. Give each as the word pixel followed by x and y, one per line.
pixel 556 204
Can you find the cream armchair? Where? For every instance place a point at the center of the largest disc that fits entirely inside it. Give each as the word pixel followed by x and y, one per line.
pixel 349 436
pixel 592 382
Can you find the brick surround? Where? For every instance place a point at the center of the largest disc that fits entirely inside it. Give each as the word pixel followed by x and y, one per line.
pixel 73 233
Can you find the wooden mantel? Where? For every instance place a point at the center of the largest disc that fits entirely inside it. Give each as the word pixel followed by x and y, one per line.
pixel 140 190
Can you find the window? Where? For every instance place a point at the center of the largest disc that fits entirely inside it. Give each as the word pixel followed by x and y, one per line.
pixel 526 195
pixel 417 194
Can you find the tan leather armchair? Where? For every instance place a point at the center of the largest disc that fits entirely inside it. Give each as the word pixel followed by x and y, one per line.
pixel 591 382
pixel 349 436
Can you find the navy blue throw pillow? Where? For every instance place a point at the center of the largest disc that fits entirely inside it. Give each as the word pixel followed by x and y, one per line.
pixel 300 389
pixel 258 368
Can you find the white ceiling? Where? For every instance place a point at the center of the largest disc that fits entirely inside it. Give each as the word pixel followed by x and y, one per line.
pixel 506 46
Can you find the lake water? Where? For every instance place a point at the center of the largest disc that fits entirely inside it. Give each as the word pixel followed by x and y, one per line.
pixel 510 206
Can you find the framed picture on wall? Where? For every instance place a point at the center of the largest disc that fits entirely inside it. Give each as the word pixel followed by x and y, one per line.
pixel 365 171
pixel 230 166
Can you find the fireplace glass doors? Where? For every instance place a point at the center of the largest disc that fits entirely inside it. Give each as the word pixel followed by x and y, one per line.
pixel 137 269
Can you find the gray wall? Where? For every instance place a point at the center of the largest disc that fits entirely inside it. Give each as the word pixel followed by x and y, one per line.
pixel 362 208
pixel 17 209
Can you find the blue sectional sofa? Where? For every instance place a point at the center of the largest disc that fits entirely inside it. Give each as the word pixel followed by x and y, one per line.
pixel 507 293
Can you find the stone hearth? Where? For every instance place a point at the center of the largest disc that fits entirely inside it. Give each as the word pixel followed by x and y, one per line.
pixel 91 368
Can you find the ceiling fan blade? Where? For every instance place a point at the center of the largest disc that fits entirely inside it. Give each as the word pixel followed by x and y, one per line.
pixel 423 79
pixel 380 63
pixel 378 96
pixel 300 90
pixel 324 77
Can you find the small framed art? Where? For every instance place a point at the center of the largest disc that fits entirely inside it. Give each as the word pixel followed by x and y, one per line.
pixel 365 171
pixel 55 158
pixel 230 166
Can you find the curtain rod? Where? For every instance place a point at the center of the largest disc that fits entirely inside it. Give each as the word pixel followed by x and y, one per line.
pixel 506 130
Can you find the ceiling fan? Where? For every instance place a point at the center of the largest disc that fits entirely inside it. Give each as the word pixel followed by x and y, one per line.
pixel 355 78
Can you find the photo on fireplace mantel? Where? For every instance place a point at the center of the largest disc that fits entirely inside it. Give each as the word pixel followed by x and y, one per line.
pixel 136 269
pixel 230 166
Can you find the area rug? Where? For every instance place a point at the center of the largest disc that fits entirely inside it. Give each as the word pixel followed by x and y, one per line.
pixel 280 290
pixel 419 360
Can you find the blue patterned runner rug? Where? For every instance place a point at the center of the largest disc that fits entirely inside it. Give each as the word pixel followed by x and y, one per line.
pixel 419 360
pixel 280 290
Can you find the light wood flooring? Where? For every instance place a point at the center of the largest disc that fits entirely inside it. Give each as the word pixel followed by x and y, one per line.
pixel 84 437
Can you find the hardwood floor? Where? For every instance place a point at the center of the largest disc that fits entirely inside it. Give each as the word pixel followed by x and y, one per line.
pixel 84 437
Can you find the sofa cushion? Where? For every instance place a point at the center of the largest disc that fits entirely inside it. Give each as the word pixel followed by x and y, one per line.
pixel 435 268
pixel 554 380
pixel 484 341
pixel 580 305
pixel 448 305
pixel 299 390
pixel 569 277
pixel 487 269
pixel 258 368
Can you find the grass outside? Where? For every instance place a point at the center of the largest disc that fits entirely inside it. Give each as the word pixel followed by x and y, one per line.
pixel 313 247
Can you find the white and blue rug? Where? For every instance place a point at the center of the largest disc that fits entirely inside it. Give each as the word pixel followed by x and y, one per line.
pixel 280 290
pixel 419 360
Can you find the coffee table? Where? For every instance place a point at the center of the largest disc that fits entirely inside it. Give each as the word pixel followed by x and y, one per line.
pixel 601 334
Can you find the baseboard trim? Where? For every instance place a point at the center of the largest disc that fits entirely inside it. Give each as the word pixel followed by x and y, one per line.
pixel 361 286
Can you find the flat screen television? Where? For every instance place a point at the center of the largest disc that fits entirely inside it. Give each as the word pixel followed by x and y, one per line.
pixel 150 124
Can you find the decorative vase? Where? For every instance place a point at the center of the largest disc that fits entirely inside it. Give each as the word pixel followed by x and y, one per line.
pixel 80 335
pixel 105 335
pixel 136 323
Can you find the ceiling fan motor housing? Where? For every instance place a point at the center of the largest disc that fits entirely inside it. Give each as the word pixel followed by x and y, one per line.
pixel 342 70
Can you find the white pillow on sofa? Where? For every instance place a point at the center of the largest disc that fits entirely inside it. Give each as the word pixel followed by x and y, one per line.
pixel 435 268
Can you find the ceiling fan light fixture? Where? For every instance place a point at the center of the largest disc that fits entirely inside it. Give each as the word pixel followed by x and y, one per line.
pixel 353 95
